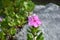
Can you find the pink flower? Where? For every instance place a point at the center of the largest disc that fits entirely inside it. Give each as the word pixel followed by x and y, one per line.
pixel 33 20
pixel 0 19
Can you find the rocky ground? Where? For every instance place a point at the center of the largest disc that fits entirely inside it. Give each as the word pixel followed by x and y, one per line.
pixel 50 16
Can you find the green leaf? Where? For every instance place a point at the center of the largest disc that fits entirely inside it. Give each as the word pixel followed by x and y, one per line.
pixel 12 31
pixel 2 35
pixel 29 6
pixel 40 36
pixel 34 30
pixel 29 36
pixel 29 31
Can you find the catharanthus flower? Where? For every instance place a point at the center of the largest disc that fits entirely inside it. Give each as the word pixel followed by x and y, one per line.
pixel 33 20
pixel 0 19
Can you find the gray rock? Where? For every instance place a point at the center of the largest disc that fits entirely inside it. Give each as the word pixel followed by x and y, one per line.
pixel 50 16
pixel 22 34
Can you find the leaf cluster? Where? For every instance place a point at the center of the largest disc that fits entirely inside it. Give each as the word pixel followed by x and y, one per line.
pixel 14 14
pixel 34 34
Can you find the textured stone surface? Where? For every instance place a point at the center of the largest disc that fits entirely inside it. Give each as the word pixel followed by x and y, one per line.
pixel 50 16
pixel 22 34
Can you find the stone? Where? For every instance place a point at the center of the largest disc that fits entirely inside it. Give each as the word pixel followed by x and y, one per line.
pixel 50 16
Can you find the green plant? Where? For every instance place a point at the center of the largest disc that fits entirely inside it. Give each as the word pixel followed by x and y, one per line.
pixel 35 34
pixel 14 13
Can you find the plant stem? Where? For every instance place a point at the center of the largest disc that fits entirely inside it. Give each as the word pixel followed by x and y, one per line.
pixel 34 38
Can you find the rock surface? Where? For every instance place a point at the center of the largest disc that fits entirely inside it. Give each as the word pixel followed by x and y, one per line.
pixel 50 16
